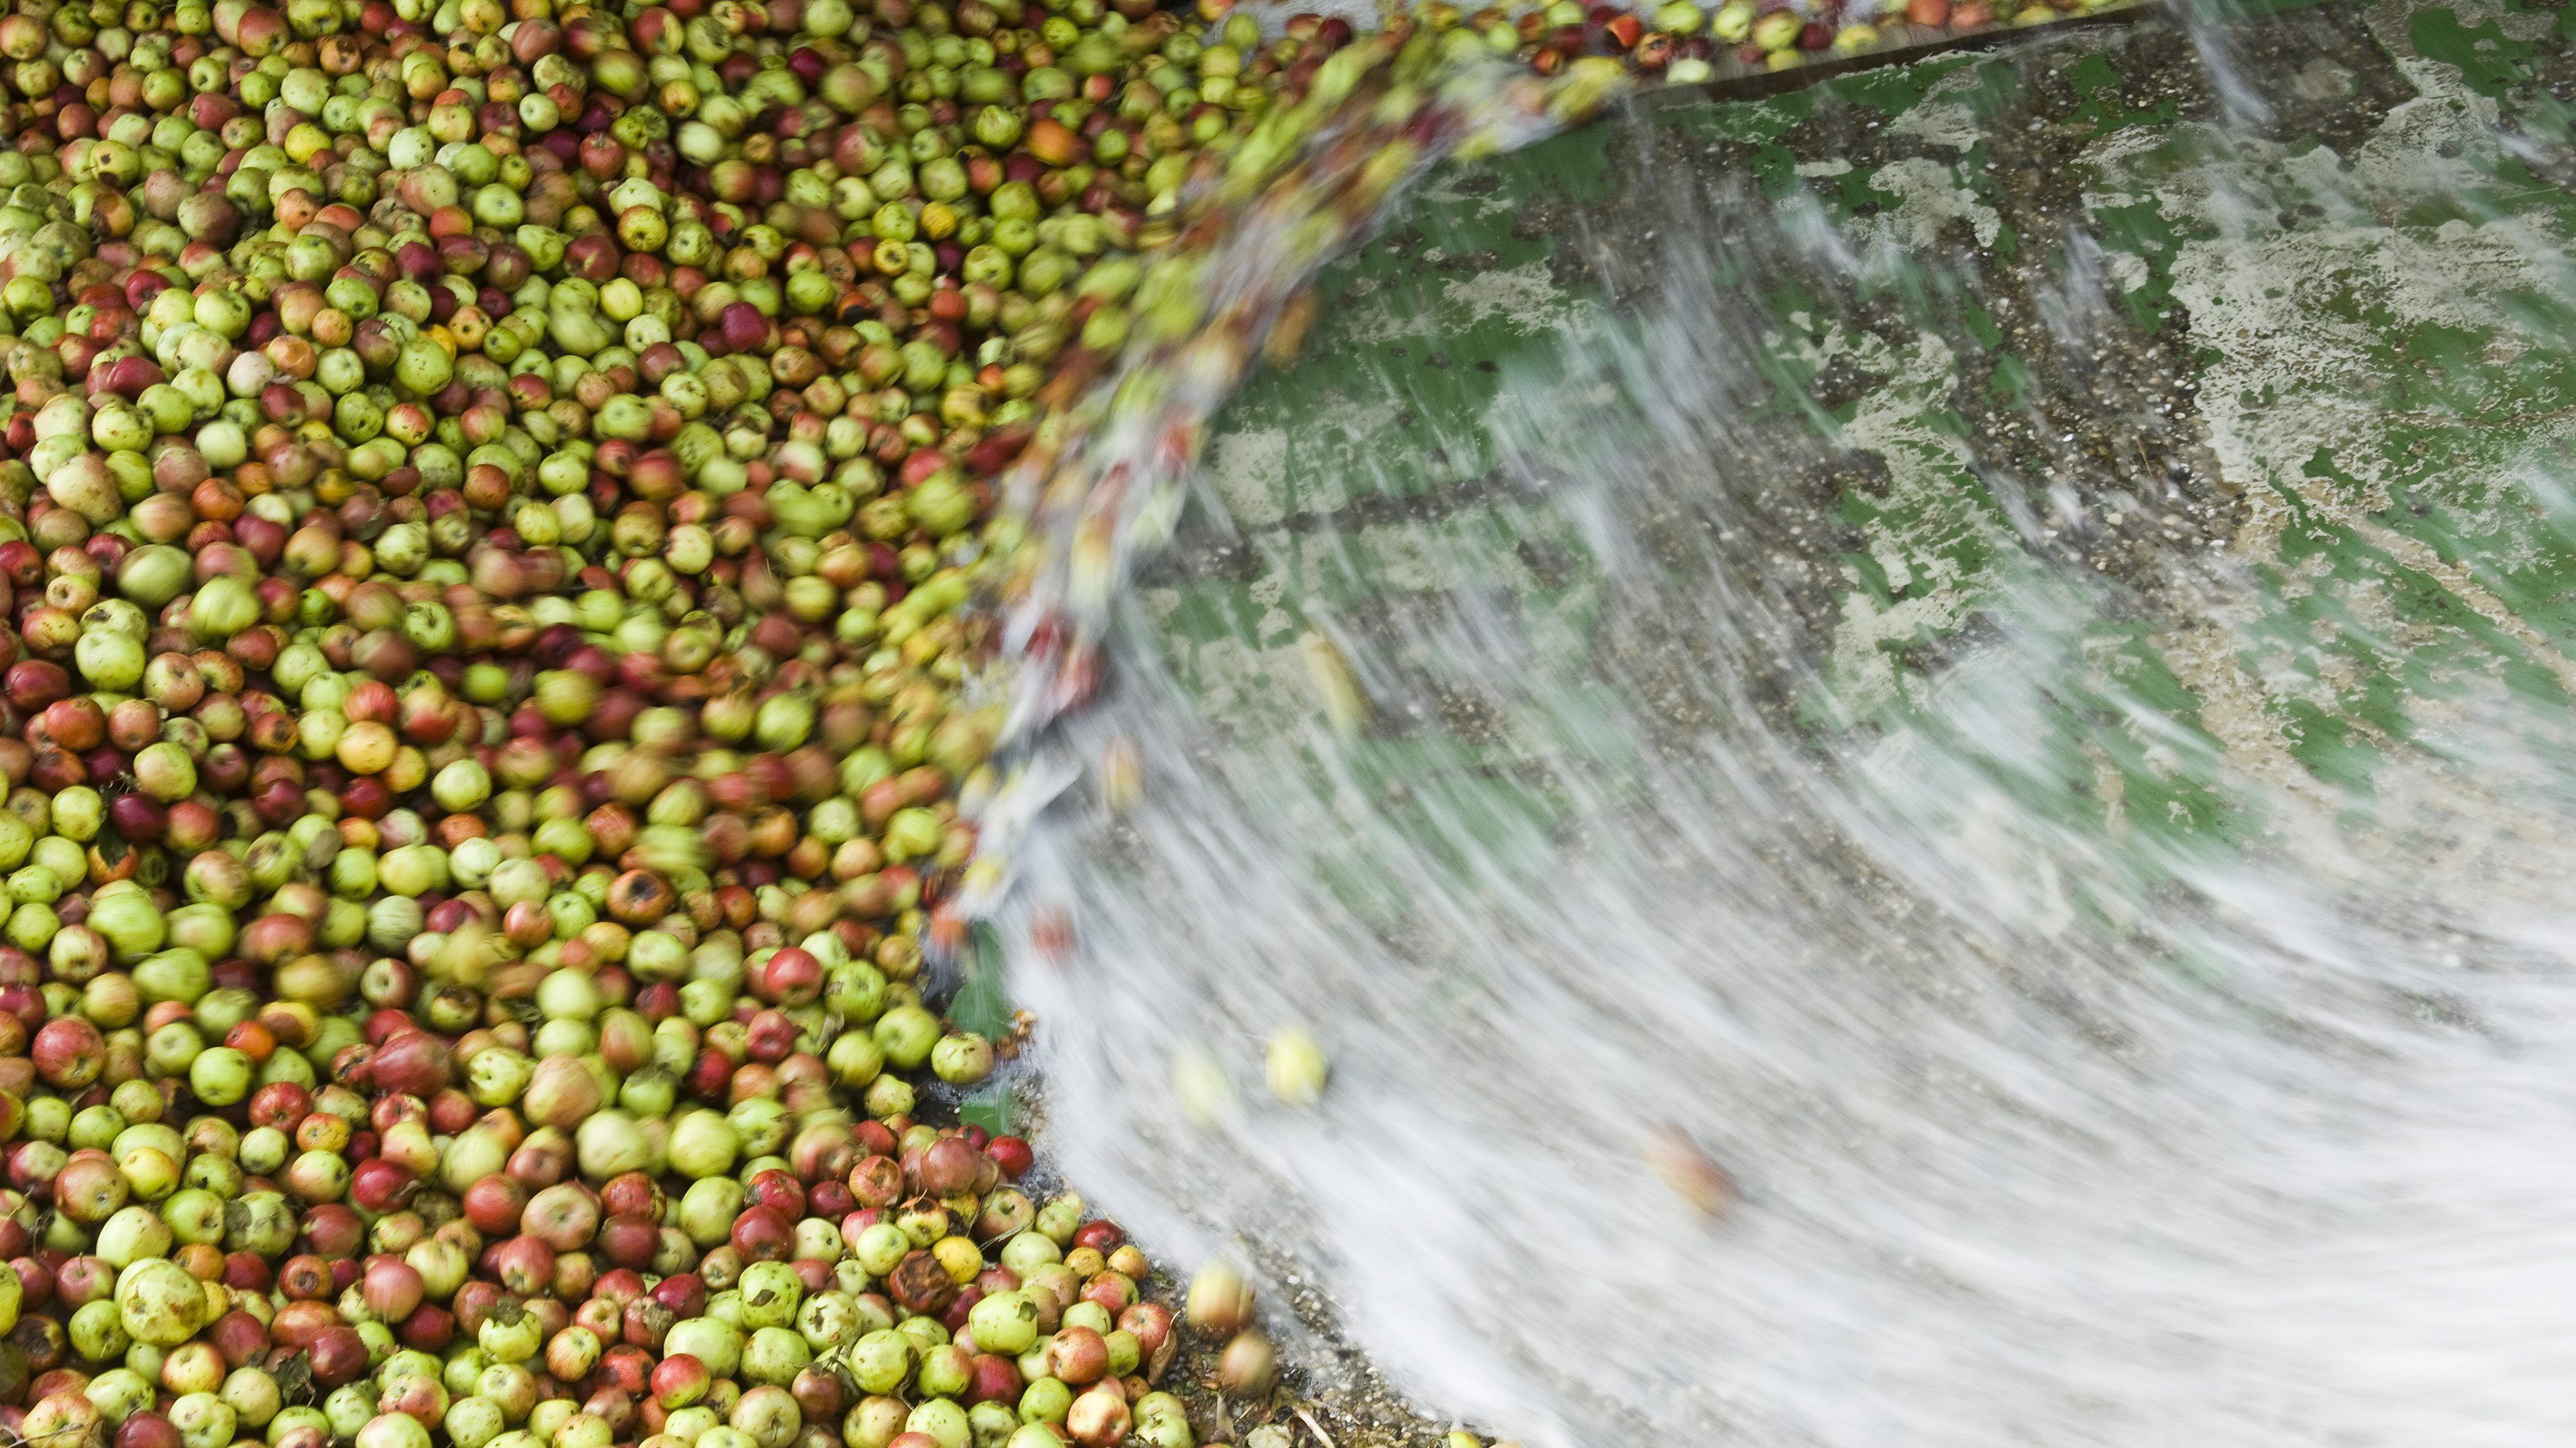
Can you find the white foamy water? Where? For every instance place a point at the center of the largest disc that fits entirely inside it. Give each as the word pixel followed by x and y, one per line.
pixel 2054 1122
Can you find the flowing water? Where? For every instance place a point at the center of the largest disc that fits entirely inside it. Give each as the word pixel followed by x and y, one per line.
pixel 1984 650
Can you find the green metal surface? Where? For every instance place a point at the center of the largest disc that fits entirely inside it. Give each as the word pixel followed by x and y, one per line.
pixel 2338 354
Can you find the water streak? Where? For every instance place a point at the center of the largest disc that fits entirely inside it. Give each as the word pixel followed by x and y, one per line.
pixel 2055 1120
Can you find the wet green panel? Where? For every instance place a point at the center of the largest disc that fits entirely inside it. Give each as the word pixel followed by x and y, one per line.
pixel 2266 360
pixel 2143 231
pixel 2106 107
pixel 1899 88
pixel 2489 60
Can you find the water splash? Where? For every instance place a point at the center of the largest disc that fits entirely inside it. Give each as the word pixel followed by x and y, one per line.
pixel 2094 1068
